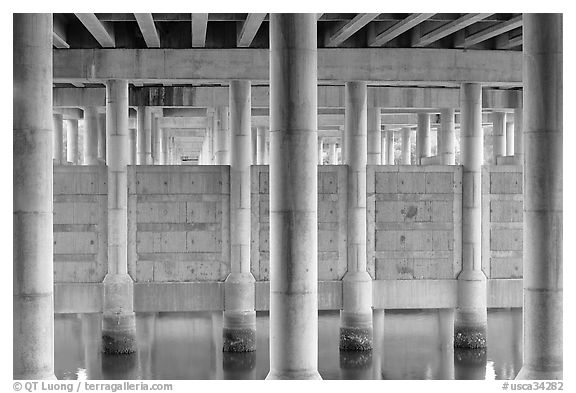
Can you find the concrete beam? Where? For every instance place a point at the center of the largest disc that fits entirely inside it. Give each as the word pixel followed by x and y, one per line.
pixel 507 42
pixel 398 28
pixel 148 29
pixel 349 29
pixel 249 29
pixel 103 34
pixel 199 25
pixel 439 67
pixel 59 33
pixel 491 31
pixel 70 113
pixel 449 28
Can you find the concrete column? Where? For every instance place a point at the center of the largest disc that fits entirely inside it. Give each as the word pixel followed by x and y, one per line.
pixel 118 322
pixel 384 147
pixel 405 158
pixel 320 151
pixel 446 137
pixel 261 145
pixel 132 141
pixel 32 300
pixel 145 145
pixel 58 138
pixel 543 191
pixel 356 315
pixel 222 145
pixel 156 140
pixel 498 135
pixel 160 147
pixel 293 197
pixel 374 137
pixel 509 136
pixel 471 316
pixel 254 141
pixel 164 147
pixel 423 137
pixel 141 135
pixel 239 332
pixel 390 147
pixel 91 136
pixel 332 157
pixel 267 148
pixel 518 137
pixel 102 137
pixel 72 141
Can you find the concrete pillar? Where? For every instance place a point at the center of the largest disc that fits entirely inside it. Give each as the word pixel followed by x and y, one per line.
pixel 332 157
pixel 518 137
pixel 374 137
pixel 261 145
pixel 222 140
pixel 267 148
pixel 141 135
pixel 254 141
pixel 383 148
pixel 509 136
pixel 32 300
pixel 320 151
pixel 118 322
pixel 72 141
pixel 471 316
pixel 543 192
pixel 133 148
pixel 498 135
pixel 58 138
pixel 164 147
pixel 293 197
pixel 405 158
pixel 423 137
pixel 156 140
pixel 356 315
pixel 239 332
pixel 446 137
pixel 102 138
pixel 390 147
pixel 91 136
pixel 160 148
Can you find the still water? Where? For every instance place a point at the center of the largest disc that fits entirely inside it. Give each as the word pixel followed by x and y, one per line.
pixel 408 345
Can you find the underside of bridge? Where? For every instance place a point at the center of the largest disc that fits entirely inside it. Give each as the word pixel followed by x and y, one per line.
pixel 289 163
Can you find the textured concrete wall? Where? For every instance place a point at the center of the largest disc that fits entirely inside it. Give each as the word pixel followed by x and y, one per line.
pixel 332 183
pixel 502 221
pixel 178 223
pixel 80 223
pixel 414 222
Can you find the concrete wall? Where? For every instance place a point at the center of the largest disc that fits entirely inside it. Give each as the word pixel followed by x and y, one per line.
pixel 332 184
pixel 80 224
pixel 414 216
pixel 502 221
pixel 178 223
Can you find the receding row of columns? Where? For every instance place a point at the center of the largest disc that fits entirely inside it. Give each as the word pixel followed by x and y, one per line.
pixel 293 204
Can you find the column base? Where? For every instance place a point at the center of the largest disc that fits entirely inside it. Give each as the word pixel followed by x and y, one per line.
pixel 530 373
pixel 239 331
pixel 471 314
pixel 356 332
pixel 300 375
pixel 119 333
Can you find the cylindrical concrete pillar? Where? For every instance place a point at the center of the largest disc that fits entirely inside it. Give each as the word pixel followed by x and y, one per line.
pixel 261 145
pixel 222 145
pixel 356 315
pixel 267 148
pixel 164 147
pixel 91 136
pixel 239 332
pixel 293 197
pixel 518 136
pixel 423 137
pixel 141 135
pixel 509 136
pixel 156 139
pixel 254 141
pixel 389 147
pixel 374 137
pixel 32 300
pixel 320 151
pixel 446 137
pixel 118 321
pixel 133 147
pixel 332 157
pixel 58 138
pixel 406 144
pixel 72 141
pixel 471 315
pixel 102 138
pixel 543 192
pixel 383 148
pixel 498 135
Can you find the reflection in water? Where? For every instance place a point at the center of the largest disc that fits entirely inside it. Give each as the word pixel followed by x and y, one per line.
pixel 411 344
pixel 470 363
